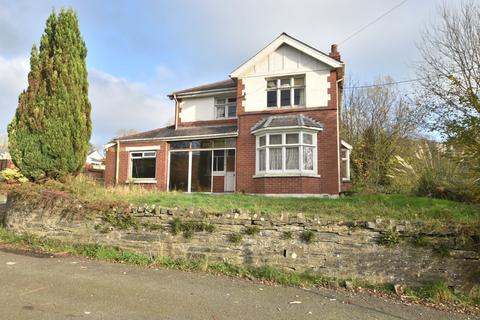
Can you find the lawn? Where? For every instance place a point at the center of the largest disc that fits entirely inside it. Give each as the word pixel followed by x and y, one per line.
pixel 358 207
pixel 353 207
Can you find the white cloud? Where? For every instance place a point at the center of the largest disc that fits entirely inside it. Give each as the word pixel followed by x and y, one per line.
pixel 13 79
pixel 121 104
pixel 116 102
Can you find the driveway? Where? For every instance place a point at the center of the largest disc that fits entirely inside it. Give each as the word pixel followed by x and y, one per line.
pixel 39 287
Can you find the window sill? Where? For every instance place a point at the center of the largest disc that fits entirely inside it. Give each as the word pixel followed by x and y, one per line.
pixel 144 181
pixel 282 175
pixel 345 180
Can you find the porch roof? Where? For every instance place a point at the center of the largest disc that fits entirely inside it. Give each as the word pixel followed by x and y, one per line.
pixel 170 133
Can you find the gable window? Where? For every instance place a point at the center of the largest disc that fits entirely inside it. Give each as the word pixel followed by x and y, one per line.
pixel 225 108
pixel 287 153
pixel 286 92
pixel 143 165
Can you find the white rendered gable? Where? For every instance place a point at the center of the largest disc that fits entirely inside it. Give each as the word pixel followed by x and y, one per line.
pixel 286 60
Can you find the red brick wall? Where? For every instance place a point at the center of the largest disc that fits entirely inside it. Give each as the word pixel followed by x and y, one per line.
pixel 218 184
pixel 110 163
pixel 328 144
pixel 327 157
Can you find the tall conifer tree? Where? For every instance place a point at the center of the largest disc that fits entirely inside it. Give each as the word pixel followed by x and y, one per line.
pixel 50 132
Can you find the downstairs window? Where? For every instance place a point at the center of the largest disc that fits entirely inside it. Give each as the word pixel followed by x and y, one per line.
pixel 143 165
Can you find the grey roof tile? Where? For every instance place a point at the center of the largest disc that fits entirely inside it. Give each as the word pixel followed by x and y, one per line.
pixel 278 121
pixel 171 132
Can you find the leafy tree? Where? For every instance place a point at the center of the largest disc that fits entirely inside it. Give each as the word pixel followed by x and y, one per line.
pixel 450 73
pixel 50 132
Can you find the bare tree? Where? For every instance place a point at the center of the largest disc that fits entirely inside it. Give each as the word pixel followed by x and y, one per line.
pixel 450 74
pixel 125 132
pixel 3 141
pixel 377 120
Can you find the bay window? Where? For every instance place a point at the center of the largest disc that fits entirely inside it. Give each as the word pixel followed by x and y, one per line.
pixel 286 91
pixel 286 153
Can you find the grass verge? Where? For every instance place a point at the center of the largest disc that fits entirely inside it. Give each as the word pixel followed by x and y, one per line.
pixel 435 292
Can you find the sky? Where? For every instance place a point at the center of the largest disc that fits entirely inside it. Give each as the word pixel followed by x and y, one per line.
pixel 140 51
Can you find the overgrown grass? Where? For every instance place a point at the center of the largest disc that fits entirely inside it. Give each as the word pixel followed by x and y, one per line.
pixel 436 292
pixel 358 207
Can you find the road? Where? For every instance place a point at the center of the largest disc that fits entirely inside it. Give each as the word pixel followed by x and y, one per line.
pixel 41 287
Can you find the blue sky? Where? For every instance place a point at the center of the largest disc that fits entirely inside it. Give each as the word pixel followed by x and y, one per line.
pixel 139 51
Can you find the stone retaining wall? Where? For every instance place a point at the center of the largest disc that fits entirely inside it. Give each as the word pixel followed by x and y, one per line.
pixel 336 249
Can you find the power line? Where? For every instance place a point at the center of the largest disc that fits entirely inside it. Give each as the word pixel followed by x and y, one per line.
pixel 372 22
pixel 384 84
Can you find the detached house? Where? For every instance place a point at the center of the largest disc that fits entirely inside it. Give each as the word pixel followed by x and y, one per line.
pixel 272 128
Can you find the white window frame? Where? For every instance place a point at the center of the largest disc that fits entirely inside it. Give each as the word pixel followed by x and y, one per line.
pixel 292 88
pixel 217 173
pixel 347 163
pixel 301 145
pixel 226 105
pixel 145 155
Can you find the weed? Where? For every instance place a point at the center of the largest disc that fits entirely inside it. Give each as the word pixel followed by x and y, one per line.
pixel 235 238
pixel 389 238
pixel 189 228
pixel 307 236
pixel 421 241
pixel 287 235
pixel 442 250
pixel 251 231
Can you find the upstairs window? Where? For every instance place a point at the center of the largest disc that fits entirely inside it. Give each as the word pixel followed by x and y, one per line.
pixel 286 92
pixel 225 108
pixel 143 165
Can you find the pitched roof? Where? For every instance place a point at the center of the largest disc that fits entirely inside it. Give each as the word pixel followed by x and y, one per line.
pixel 291 41
pixel 295 120
pixel 170 132
pixel 214 86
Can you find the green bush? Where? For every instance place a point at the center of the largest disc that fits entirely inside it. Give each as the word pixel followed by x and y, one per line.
pixel 235 238
pixel 252 231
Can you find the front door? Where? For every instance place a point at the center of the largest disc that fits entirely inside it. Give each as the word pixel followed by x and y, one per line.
pixel 229 185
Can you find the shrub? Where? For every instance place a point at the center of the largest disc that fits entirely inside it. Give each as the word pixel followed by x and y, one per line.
pixel 13 175
pixel 438 172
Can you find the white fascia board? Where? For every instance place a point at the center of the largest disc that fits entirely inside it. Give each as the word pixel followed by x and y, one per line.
pixel 346 145
pixel 284 38
pixel 108 145
pixel 205 93
pixel 282 129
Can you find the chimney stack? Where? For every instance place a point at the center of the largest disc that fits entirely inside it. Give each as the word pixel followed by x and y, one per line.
pixel 334 52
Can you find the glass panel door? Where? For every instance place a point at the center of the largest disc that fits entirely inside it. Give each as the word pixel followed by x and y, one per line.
pixel 201 171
